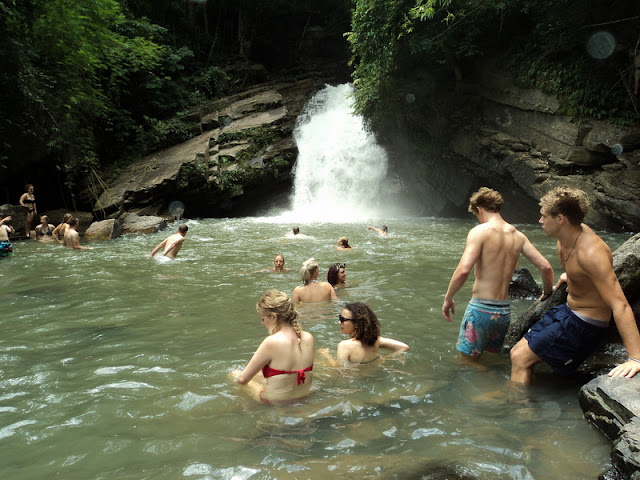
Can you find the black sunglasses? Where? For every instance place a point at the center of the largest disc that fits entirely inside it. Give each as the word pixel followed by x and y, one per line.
pixel 341 319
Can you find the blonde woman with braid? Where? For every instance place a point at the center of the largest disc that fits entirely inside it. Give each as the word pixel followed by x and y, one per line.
pixel 285 356
pixel 312 291
pixel 359 322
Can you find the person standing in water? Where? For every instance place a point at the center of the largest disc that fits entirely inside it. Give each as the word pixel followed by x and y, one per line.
pixel 28 200
pixel 312 290
pixel 71 236
pixel 172 244
pixel 567 334
pixel 59 231
pixel 44 230
pixel 285 356
pixel 493 249
pixel 6 248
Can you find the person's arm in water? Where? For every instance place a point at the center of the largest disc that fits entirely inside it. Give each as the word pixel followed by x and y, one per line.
pixel 157 249
pixel 334 295
pixel 344 353
pixel 532 254
pixel 261 358
pixel 470 256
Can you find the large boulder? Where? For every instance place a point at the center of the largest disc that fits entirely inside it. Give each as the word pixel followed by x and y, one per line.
pixel 103 230
pixel 132 223
pixel 613 406
pixel 523 285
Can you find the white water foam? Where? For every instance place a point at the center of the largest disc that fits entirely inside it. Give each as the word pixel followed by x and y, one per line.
pixel 341 170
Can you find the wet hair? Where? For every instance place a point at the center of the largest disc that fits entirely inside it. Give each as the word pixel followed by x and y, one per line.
pixel 280 304
pixel 384 228
pixel 183 228
pixel 279 255
pixel 296 230
pixel 365 322
pixel 28 186
pixel 73 221
pixel 486 198
pixel 332 274
pixel 570 202
pixel 66 217
pixel 344 242
pixel 44 217
pixel 308 267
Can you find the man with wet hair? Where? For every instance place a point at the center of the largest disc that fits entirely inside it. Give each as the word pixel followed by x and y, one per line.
pixel 493 249
pixel 172 244
pixel 567 334
pixel 71 237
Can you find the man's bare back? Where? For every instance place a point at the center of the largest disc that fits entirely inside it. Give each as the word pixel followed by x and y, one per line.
pixel 171 245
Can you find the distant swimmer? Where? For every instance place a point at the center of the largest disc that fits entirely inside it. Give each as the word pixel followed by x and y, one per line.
pixel 337 275
pixel 6 248
pixel 172 244
pixel 58 232
pixel 363 346
pixel 384 231
pixel 295 233
pixel 492 249
pixel 312 290
pixel 44 231
pixel 71 236
pixel 343 244
pixel 278 265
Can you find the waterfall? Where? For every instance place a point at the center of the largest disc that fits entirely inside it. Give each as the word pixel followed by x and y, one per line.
pixel 341 170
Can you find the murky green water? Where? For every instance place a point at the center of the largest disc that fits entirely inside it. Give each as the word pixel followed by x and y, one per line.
pixel 114 365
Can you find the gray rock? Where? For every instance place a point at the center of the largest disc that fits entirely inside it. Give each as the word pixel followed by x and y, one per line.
pixel 132 223
pixel 103 230
pixel 613 406
pixel 523 285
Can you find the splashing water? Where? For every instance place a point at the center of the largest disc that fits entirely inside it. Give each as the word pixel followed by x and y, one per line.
pixel 341 170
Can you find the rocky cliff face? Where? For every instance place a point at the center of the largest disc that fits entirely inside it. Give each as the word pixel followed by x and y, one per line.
pixel 244 154
pixel 457 138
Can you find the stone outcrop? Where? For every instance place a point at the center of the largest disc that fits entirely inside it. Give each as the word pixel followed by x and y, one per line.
pixel 523 285
pixel 613 406
pixel 132 223
pixel 245 149
pixel 103 230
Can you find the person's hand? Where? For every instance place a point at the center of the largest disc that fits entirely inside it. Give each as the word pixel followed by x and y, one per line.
pixel 446 306
pixel 627 369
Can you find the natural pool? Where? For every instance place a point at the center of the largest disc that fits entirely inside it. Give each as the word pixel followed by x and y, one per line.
pixel 114 365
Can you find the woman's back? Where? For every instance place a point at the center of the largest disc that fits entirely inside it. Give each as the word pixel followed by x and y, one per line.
pixel 289 375
pixel 314 292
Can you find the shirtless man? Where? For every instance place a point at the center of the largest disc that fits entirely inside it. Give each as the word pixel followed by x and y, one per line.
pixel 71 236
pixel 59 231
pixel 6 248
pixel 172 244
pixel 384 231
pixel 493 248
pixel 566 335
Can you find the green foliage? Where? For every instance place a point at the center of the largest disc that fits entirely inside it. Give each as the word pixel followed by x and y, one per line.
pixel 542 40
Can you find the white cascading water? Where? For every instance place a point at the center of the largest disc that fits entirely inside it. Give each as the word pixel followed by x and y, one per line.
pixel 340 171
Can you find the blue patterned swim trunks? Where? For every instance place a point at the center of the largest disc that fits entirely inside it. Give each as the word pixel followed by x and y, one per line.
pixel 6 249
pixel 484 326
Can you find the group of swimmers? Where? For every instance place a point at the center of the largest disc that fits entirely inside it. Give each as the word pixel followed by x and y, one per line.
pixel 563 338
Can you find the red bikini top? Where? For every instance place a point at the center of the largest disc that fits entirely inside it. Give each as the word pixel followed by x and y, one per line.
pixel 267 371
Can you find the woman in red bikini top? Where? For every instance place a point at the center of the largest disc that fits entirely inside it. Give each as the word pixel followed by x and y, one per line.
pixel 285 357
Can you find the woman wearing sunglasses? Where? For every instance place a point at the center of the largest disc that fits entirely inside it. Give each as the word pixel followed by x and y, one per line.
pixel 337 276
pixel 285 356
pixel 359 322
pixel 312 291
